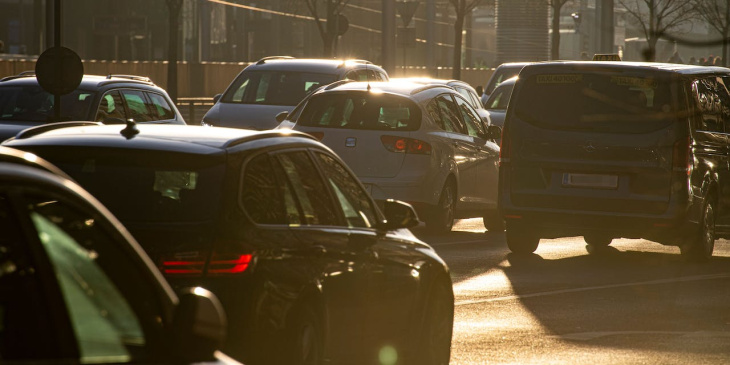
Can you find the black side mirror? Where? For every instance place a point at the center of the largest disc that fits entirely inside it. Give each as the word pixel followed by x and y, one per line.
pixel 494 132
pixel 217 97
pixel 282 116
pixel 199 326
pixel 399 214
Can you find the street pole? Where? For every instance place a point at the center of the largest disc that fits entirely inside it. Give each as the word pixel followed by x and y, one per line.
pixel 59 63
pixel 606 26
pixel 388 33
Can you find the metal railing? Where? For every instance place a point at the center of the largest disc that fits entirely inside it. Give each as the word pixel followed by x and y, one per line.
pixel 193 109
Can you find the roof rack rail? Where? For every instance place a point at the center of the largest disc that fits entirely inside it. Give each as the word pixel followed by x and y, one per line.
pixel 430 86
pixel 22 74
pixel 263 60
pixel 34 131
pixel 131 77
pixel 338 83
pixel 363 62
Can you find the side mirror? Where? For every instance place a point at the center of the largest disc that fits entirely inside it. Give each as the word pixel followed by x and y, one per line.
pixel 399 214
pixel 217 97
pixel 282 116
pixel 199 325
pixel 494 132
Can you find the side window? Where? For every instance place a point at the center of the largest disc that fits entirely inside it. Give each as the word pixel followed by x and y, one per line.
pixel 163 110
pixel 354 202
pixel 111 106
pixel 85 259
pixel 25 330
pixel 262 197
pixel 473 123
pixel 710 105
pixel 137 106
pixel 449 114
pixel 311 194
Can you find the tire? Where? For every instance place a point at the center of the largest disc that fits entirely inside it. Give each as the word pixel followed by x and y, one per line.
pixel 441 219
pixel 520 240
pixel 598 240
pixel 434 341
pixel 700 247
pixel 493 222
pixel 305 345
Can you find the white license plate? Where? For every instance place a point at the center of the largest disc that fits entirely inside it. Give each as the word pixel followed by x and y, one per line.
pixel 590 181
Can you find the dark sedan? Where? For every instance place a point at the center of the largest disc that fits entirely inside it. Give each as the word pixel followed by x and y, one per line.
pixel 308 268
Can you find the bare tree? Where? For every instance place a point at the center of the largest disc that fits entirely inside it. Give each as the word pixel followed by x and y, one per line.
pixel 556 5
pixel 657 17
pixel 327 26
pixel 462 8
pixel 173 7
pixel 717 14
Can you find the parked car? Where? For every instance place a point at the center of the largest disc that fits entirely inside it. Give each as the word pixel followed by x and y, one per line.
pixel 424 144
pixel 77 288
pixel 608 149
pixel 496 104
pixel 274 223
pixel 501 73
pixel 276 84
pixel 111 99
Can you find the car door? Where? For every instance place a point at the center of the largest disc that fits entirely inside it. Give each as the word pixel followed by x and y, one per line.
pixel 486 155
pixel 392 284
pixel 339 267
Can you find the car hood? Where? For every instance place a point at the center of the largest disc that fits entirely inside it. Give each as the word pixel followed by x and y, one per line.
pixel 9 128
pixel 247 116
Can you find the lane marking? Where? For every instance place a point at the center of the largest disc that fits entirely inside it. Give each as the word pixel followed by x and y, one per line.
pixel 600 287
pixel 587 336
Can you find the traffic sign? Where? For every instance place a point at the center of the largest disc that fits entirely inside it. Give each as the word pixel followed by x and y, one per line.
pixel 406 9
pixel 59 70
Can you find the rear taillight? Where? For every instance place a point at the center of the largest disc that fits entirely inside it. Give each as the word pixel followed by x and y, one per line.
pixel 505 148
pixel 405 145
pixel 197 264
pixel 682 156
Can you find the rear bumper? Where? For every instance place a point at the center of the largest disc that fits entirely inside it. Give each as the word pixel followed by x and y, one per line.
pixel 417 190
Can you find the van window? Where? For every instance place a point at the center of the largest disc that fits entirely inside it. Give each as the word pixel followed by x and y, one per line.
pixel 713 103
pixel 274 87
pixel 614 103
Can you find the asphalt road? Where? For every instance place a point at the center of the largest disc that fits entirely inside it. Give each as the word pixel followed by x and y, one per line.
pixel 636 302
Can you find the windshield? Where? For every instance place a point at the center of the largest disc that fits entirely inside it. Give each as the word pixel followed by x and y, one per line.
pixel 591 101
pixel 274 87
pixel 33 104
pixel 500 98
pixel 361 110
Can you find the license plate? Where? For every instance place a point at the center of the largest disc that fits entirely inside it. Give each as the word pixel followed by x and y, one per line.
pixel 590 181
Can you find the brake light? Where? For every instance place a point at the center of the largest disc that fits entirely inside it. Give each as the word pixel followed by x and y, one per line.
pixel 406 145
pixel 505 147
pixel 682 156
pixel 194 264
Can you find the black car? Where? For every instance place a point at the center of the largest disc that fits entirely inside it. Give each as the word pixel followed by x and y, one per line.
pixel 75 287
pixel 111 99
pixel 273 222
pixel 617 149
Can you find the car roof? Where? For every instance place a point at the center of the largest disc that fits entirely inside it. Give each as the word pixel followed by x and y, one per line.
pixel 88 82
pixel 623 65
pixel 401 87
pixel 176 138
pixel 318 65
pixel 508 82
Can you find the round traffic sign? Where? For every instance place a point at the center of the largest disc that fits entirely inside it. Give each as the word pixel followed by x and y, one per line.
pixel 59 70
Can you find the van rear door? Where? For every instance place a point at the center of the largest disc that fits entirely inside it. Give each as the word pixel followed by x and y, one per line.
pixel 594 140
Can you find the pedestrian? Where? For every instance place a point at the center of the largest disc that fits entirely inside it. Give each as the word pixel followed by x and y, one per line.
pixel 692 60
pixel 676 58
pixel 702 61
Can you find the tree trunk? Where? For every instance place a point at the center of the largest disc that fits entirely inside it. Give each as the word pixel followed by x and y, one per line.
pixel 555 39
pixel 651 51
pixel 458 29
pixel 173 7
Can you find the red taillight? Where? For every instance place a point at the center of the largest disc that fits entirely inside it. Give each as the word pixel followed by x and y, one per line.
pixel 505 147
pixel 194 264
pixel 682 156
pixel 406 145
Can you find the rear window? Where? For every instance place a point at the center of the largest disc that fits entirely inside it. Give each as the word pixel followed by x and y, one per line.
pixel 33 104
pixel 361 110
pixel 617 103
pixel 274 87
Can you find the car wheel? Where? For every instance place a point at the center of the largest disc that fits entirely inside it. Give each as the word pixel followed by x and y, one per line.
pixel 441 219
pixel 700 247
pixel 434 343
pixel 493 222
pixel 598 240
pixel 520 239
pixel 306 343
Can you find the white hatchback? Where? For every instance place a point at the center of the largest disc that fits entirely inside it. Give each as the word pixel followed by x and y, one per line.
pixel 423 144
